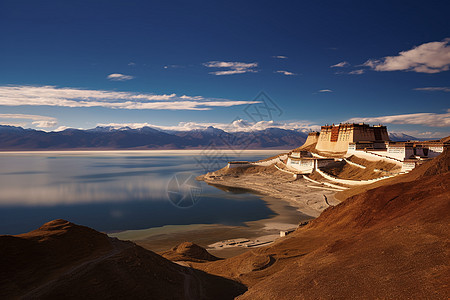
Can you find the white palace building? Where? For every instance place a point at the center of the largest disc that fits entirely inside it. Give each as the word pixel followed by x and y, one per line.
pixel 337 142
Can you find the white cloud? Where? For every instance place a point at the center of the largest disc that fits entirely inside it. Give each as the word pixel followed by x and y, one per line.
pixel 73 97
pixel 426 119
pixel 173 66
pixel 232 67
pixel 243 125
pixel 325 91
pixel 231 72
pixel 434 89
pixel 24 116
pixel 357 72
pixel 340 65
pixel 280 56
pixel 37 120
pixel 423 135
pixel 287 73
pixel 119 77
pixel 433 57
pixel 236 126
pixel 131 63
pixel 45 124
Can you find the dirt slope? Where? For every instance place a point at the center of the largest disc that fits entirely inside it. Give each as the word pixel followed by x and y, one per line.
pixel 62 260
pixel 390 241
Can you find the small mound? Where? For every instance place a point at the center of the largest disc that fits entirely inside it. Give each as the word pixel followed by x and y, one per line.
pixel 188 251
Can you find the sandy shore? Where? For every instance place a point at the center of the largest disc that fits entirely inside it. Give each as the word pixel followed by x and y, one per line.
pixel 292 201
pixel 162 238
pixel 304 195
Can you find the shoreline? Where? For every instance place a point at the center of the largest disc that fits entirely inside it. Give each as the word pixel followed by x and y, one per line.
pixel 292 201
pixel 306 196
pixel 160 239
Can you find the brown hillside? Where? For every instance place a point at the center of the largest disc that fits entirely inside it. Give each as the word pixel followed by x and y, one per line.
pixel 62 260
pixel 446 139
pixel 390 241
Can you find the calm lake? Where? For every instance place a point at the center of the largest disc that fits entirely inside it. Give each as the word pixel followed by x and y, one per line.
pixel 121 190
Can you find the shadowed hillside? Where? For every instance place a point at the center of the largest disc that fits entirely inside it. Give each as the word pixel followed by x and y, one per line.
pixel 61 260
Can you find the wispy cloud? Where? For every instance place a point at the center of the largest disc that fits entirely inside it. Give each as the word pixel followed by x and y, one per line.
pixel 45 124
pixel 325 91
pixel 287 73
pixel 357 72
pixel 236 126
pixel 231 67
pixel 280 56
pixel 426 119
pixel 37 120
pixel 173 66
pixel 73 97
pixel 433 57
pixel 119 77
pixel 434 89
pixel 340 65
pixel 16 124
pixel 131 63
pixel 423 134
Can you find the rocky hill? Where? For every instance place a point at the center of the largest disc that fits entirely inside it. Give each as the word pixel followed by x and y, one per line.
pixel 61 260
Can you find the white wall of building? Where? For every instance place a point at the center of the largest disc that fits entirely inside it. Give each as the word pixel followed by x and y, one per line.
pixel 434 151
pixel 304 166
pixel 408 166
pixel 265 163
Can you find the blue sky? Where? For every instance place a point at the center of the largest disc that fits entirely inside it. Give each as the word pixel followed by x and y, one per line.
pixel 190 64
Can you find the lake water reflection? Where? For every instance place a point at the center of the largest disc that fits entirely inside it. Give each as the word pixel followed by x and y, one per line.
pixel 112 191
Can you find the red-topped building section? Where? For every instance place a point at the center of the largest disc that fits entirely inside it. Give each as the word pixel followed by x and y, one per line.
pixel 336 138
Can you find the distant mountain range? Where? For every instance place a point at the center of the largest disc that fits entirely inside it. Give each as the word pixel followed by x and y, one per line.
pixel 17 138
pixel 396 136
